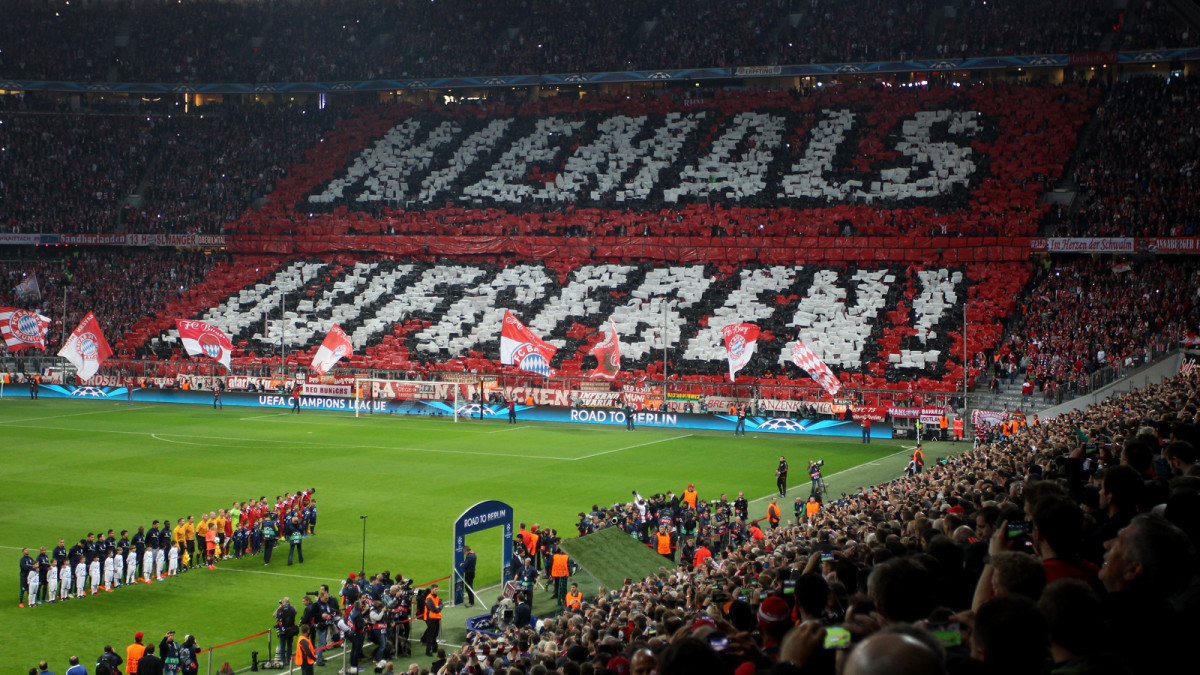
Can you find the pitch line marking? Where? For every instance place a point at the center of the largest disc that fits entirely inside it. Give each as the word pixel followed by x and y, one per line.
pixel 631 447
pixel 330 444
pixel 499 431
pixel 55 417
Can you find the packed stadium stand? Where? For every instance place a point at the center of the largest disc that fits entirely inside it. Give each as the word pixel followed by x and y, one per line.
pixel 926 233
pixel 212 41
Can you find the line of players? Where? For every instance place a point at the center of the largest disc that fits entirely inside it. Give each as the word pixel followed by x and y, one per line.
pixel 95 565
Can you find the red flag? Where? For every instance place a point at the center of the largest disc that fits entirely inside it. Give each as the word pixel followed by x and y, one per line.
pixel 608 353
pixel 200 338
pixel 741 339
pixel 333 348
pixel 22 329
pixel 810 363
pixel 521 348
pixel 86 348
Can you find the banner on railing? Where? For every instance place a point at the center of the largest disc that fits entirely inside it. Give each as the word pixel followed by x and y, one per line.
pixel 185 240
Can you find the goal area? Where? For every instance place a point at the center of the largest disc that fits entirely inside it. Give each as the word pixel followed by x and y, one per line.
pixel 427 398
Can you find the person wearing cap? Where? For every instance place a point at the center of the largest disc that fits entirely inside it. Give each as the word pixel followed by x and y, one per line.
pixel 774 621
pixel 689 496
pixel 134 652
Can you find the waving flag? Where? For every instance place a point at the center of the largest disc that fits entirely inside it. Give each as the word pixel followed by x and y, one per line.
pixel 333 348
pixel 28 289
pixel 204 339
pixel 22 328
pixel 521 348
pixel 810 363
pixel 608 353
pixel 741 339
pixel 86 348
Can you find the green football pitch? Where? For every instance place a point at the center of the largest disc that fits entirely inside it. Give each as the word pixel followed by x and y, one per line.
pixel 73 467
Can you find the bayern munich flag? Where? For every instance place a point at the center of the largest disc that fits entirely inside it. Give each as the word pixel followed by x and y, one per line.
pixel 521 348
pixel 86 348
pixel 741 339
pixel 202 339
pixel 335 346
pixel 810 363
pixel 22 328
pixel 608 354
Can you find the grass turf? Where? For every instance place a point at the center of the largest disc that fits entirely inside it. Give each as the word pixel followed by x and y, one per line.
pixel 73 467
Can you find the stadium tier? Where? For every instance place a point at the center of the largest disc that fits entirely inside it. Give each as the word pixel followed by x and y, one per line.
pixel 211 41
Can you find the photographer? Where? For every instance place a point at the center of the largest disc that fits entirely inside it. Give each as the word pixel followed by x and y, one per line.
pixel 377 625
pixel 285 627
pixel 399 602
pixel 326 621
pixel 814 474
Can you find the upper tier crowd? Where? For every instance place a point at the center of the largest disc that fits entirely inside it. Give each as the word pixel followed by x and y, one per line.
pixel 1020 555
pixel 75 173
pixel 268 41
pixel 1140 172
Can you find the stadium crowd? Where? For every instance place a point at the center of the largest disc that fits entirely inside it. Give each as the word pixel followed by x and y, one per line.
pixel 1138 175
pixel 1017 556
pixel 1080 315
pixel 103 562
pixel 211 41
pixel 75 173
pixel 120 286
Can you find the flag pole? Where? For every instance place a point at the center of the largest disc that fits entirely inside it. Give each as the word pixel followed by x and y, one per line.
pixel 664 350
pixel 63 339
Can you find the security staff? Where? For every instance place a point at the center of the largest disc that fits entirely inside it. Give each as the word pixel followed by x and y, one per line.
pixel 560 570
pixel 574 598
pixel 663 543
pixel 918 458
pixel 773 513
pixel 433 620
pixel 958 428
pixel 306 656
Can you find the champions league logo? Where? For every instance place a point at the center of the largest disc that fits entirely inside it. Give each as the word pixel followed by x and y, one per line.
pixel 782 424
pixel 472 409
pixel 24 326
pixel 88 392
pixel 211 346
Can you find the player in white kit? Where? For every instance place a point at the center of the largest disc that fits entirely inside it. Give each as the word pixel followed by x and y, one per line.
pixel 64 581
pixel 94 574
pixel 52 583
pixel 108 572
pixel 34 584
pixel 131 568
pixel 118 569
pixel 80 579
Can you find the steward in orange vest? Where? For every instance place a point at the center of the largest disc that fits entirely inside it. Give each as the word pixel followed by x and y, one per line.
pixel 574 598
pixel 305 655
pixel 560 569
pixel 773 514
pixel 663 543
